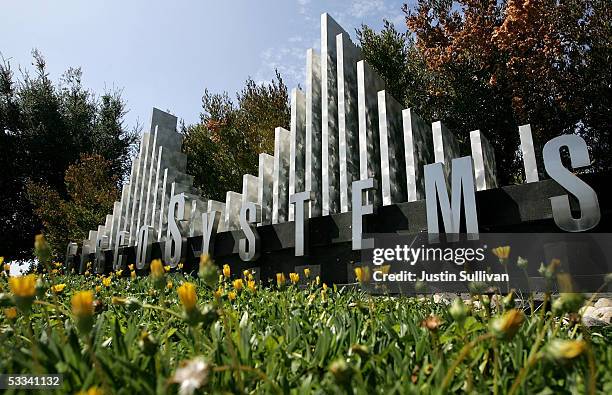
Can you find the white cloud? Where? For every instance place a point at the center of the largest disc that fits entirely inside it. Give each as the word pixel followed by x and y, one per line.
pixel 289 57
pixel 364 8
pixel 302 6
pixel 290 61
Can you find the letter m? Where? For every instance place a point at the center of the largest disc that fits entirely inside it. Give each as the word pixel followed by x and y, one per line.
pixel 462 185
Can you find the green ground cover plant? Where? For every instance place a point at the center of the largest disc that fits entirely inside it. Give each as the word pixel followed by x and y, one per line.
pixel 223 332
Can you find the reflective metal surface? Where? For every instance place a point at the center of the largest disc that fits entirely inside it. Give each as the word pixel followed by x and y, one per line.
pixel 590 213
pixel 300 202
pixel 436 194
pixel 392 153
pixel 368 86
pixel 143 246
pixel 361 208
pixel 483 156
pixel 210 227
pixel 348 126
pixel 330 165
pixel 312 167
pixel 418 145
pixel 528 151
pixel 446 148
pixel 248 247
pixel 233 203
pixel 176 236
pixel 265 190
pixel 297 144
pixel 280 197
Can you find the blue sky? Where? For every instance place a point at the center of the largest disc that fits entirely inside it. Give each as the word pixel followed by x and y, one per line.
pixel 164 53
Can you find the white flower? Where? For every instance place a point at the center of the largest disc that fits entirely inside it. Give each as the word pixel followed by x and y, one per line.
pixel 191 375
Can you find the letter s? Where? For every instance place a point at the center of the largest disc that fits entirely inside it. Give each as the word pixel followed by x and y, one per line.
pixel 587 198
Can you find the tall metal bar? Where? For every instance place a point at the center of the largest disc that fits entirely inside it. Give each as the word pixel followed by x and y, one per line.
pixel 144 147
pixel 528 152
pixel 214 205
pixel 297 148
pixel 280 197
pixel 233 203
pixel 265 190
pixel 368 86
pixel 348 124
pixel 313 131
pixel 446 148
pixel 250 188
pixel 330 164
pixel 142 198
pixel 418 143
pixel 484 161
pixel 392 159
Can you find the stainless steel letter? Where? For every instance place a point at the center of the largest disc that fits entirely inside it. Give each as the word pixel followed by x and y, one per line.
pixel 587 198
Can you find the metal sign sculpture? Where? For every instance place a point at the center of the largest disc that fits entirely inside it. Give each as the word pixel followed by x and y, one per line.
pixel 351 148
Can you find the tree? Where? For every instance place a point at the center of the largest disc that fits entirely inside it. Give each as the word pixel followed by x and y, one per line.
pixel 494 65
pixel 91 192
pixel 44 128
pixel 229 138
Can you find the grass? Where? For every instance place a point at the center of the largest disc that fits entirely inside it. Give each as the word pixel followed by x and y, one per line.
pixel 293 339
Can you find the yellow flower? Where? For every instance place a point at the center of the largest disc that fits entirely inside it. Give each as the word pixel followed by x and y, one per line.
pixel 10 313
pixel 1 260
pixel 226 271
pixel 24 291
pixel 231 295
pixel 217 294
pixel 245 273
pixel 82 304
pixel 132 274
pixel 323 296
pixel 307 272
pixel 318 280
pixel 58 288
pixel 91 391
pixel 87 272
pixel 564 350
pixel 506 326
pixel 167 268
pixel 7 267
pixel 502 253
pixel 251 285
pixel 54 271
pixel 187 295
pixel 280 279
pixel 169 284
pixel 361 274
pixel 98 288
pixel 324 287
pixel 131 267
pixel 119 273
pixel 294 278
pixel 238 284
pixel 157 269
pixel 106 281
pixel 180 266
pixel 23 286
pixel 57 264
